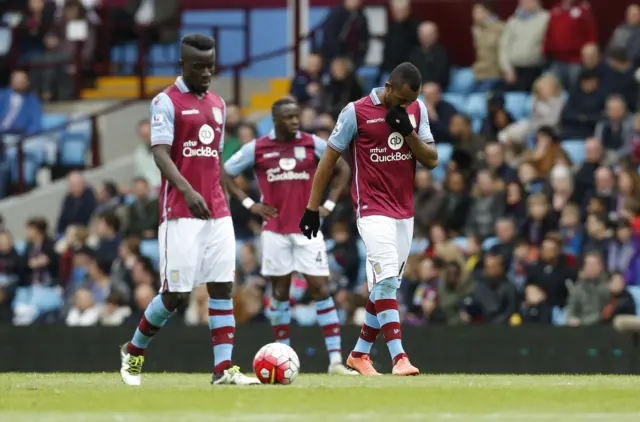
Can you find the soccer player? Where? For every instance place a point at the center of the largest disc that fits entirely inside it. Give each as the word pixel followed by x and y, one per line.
pixel 384 134
pixel 284 162
pixel 196 237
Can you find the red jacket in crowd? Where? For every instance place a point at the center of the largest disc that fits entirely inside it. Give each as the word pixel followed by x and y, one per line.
pixel 571 26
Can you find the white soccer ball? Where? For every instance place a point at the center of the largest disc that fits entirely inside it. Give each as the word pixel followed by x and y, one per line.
pixel 276 363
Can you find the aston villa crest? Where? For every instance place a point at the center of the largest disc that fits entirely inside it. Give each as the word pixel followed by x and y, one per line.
pixel 300 153
pixel 217 115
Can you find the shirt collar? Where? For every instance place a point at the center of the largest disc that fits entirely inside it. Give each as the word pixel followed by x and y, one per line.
pixel 374 95
pixel 181 85
pixel 272 134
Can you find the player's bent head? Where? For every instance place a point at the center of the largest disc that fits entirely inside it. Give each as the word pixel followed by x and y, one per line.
pixel 286 117
pixel 197 60
pixel 403 86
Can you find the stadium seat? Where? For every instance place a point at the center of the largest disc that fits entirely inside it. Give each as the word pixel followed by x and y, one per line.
pixel 461 81
pixel 477 105
pixel 367 76
pixel 516 103
pixel 635 292
pixel 575 150
pixel 476 124
pixel 73 152
pixel 151 250
pixel 20 246
pixel 444 155
pixel 33 160
pixel 264 126
pixel 54 120
pixel 418 246
pixel 489 243
pixel 461 242
pixel 456 100
pixel 558 316
pixel 5 40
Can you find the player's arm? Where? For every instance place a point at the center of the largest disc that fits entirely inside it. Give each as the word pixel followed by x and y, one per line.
pixel 341 181
pixel 162 133
pixel 239 162
pixel 422 143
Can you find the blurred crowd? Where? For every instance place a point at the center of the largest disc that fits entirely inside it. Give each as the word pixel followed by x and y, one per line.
pixel 512 229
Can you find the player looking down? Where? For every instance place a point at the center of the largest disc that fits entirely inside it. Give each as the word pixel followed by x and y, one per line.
pixel 284 162
pixel 196 238
pixel 384 134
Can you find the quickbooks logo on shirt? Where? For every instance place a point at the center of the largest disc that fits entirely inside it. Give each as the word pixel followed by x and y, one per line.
pixel 189 150
pixel 383 155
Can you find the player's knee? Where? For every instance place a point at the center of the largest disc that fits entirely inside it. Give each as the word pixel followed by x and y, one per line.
pixel 280 288
pixel 173 301
pixel 318 288
pixel 386 289
pixel 220 290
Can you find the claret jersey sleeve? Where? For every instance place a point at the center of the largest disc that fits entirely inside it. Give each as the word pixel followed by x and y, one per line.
pixel 424 130
pixel 346 129
pixel 241 160
pixel 162 114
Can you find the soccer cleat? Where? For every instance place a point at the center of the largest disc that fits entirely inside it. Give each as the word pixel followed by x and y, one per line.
pixel 233 376
pixel 362 365
pixel 131 366
pixel 339 369
pixel 403 367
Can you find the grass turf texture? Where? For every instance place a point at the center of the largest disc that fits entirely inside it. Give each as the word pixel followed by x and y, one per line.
pixel 321 398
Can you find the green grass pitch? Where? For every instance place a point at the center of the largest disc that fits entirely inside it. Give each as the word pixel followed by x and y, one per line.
pixel 320 398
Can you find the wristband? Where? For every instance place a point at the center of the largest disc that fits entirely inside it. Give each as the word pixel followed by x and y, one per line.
pixel 248 202
pixel 329 205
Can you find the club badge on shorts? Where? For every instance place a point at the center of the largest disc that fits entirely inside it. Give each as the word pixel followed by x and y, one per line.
pixel 412 119
pixel 299 153
pixel 217 115
pixel 175 276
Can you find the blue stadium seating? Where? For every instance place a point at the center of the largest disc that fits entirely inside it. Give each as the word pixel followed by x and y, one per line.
pixel 461 81
pixel 20 246
pixel 264 126
pixel 489 243
pixel 5 40
pixel 477 105
pixel 73 152
pixel 456 100
pixel 635 292
pixel 367 76
pixel 461 242
pixel 476 124
pixel 575 150
pixel 150 249
pixel 516 103
pixel 558 316
pixel 444 155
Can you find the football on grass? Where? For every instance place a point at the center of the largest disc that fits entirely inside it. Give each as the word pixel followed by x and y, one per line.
pixel 276 363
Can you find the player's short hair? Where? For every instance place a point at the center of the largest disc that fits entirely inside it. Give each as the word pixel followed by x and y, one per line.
pixel 406 73
pixel 199 42
pixel 275 108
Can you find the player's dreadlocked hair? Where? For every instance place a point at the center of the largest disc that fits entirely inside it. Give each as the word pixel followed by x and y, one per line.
pixel 406 73
pixel 198 41
pixel 275 108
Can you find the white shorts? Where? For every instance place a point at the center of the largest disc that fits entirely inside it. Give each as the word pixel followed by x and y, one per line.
pixel 387 241
pixel 283 254
pixel 194 252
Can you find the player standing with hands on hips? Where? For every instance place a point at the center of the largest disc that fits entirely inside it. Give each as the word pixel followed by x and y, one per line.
pixel 196 238
pixel 384 134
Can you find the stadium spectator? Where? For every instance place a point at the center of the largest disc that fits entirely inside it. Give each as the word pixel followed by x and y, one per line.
pixel 597 240
pixel 246 133
pixel 506 232
pixel 33 27
pixel 40 259
pixel 78 204
pixel 628 184
pixel 486 30
pixel 552 271
pixel 515 207
pixel 590 294
pixel 540 219
pixel 421 296
pixel 20 109
pixel 535 308
pixel 562 190
pixel 143 272
pixel 627 35
pixel 571 230
pixel 620 78
pixel 249 267
pixel 107 198
pixel 401 37
pixel 440 111
pixel 162 23
pixel 306 86
pixel 547 147
pixel 349 31
pixel 107 230
pixel 84 312
pixel 145 166
pixel 455 207
pixel 545 111
pixel 142 296
pixel 529 179
pixel 495 161
pixel 128 255
pixel 521 57
pixel 143 213
pixel 11 272
pixel 570 27
pixel 623 254
pixel 74 237
pixel 583 108
pixel 345 254
pixel 486 207
pixel 604 189
pixel 594 158
pixel 115 310
pixel 100 284
pixel 493 293
pixel 620 300
pixel 592 61
pixel 463 138
pixel 427 200
pixel 615 130
pixel 498 118
pixel 456 286
pixel 342 86
pixel 245 224
pixel 430 56
pixel 308 117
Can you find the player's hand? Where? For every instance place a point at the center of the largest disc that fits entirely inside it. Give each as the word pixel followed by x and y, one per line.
pixel 265 211
pixel 310 223
pixel 197 205
pixel 398 119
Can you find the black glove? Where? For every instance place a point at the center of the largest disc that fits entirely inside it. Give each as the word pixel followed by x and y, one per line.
pixel 310 223
pixel 398 119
